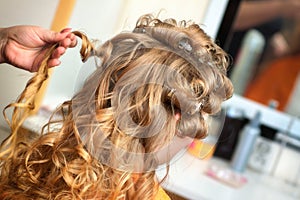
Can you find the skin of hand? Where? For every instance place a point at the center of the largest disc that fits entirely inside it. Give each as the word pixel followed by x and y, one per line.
pixel 291 9
pixel 25 46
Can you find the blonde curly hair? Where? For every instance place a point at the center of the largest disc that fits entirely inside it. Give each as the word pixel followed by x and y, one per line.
pixel 104 145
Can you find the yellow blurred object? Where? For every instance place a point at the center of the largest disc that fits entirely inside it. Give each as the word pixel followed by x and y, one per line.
pixel 201 149
pixel 162 195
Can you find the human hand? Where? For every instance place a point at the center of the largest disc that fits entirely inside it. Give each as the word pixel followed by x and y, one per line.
pixel 290 8
pixel 25 46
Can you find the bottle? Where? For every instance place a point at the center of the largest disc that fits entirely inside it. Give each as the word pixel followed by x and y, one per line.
pixel 251 49
pixel 246 143
pixel 234 122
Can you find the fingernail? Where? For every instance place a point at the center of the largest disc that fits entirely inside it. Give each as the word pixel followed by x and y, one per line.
pixel 66 30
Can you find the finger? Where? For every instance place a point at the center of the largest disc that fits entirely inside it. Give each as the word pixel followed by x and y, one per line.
pixel 53 63
pixel 52 37
pixel 65 43
pixel 69 41
pixel 66 30
pixel 65 33
pixel 73 39
pixel 72 36
pixel 58 52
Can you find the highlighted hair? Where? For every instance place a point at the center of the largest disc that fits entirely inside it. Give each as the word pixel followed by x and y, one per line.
pixel 125 109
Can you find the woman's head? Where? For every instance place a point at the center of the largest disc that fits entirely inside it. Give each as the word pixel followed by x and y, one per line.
pixel 153 85
pixel 145 79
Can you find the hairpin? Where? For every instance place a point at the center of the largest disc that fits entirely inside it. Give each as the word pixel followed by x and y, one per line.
pixel 139 30
pixel 198 107
pixel 183 44
pixel 171 90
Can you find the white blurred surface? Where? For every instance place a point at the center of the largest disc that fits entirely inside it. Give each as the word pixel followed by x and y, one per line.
pixel 187 178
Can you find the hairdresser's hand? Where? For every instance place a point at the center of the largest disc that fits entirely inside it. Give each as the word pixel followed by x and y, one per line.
pixel 290 8
pixel 25 46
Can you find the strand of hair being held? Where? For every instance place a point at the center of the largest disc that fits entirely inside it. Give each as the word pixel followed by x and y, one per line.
pixel 25 103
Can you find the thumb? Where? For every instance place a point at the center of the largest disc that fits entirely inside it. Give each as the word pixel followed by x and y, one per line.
pixel 66 30
pixel 52 37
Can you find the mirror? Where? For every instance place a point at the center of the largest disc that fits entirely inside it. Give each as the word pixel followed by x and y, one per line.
pixel 265 61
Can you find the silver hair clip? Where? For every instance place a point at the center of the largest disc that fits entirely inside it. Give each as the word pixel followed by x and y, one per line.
pixel 198 108
pixel 183 44
pixel 171 93
pixel 139 30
